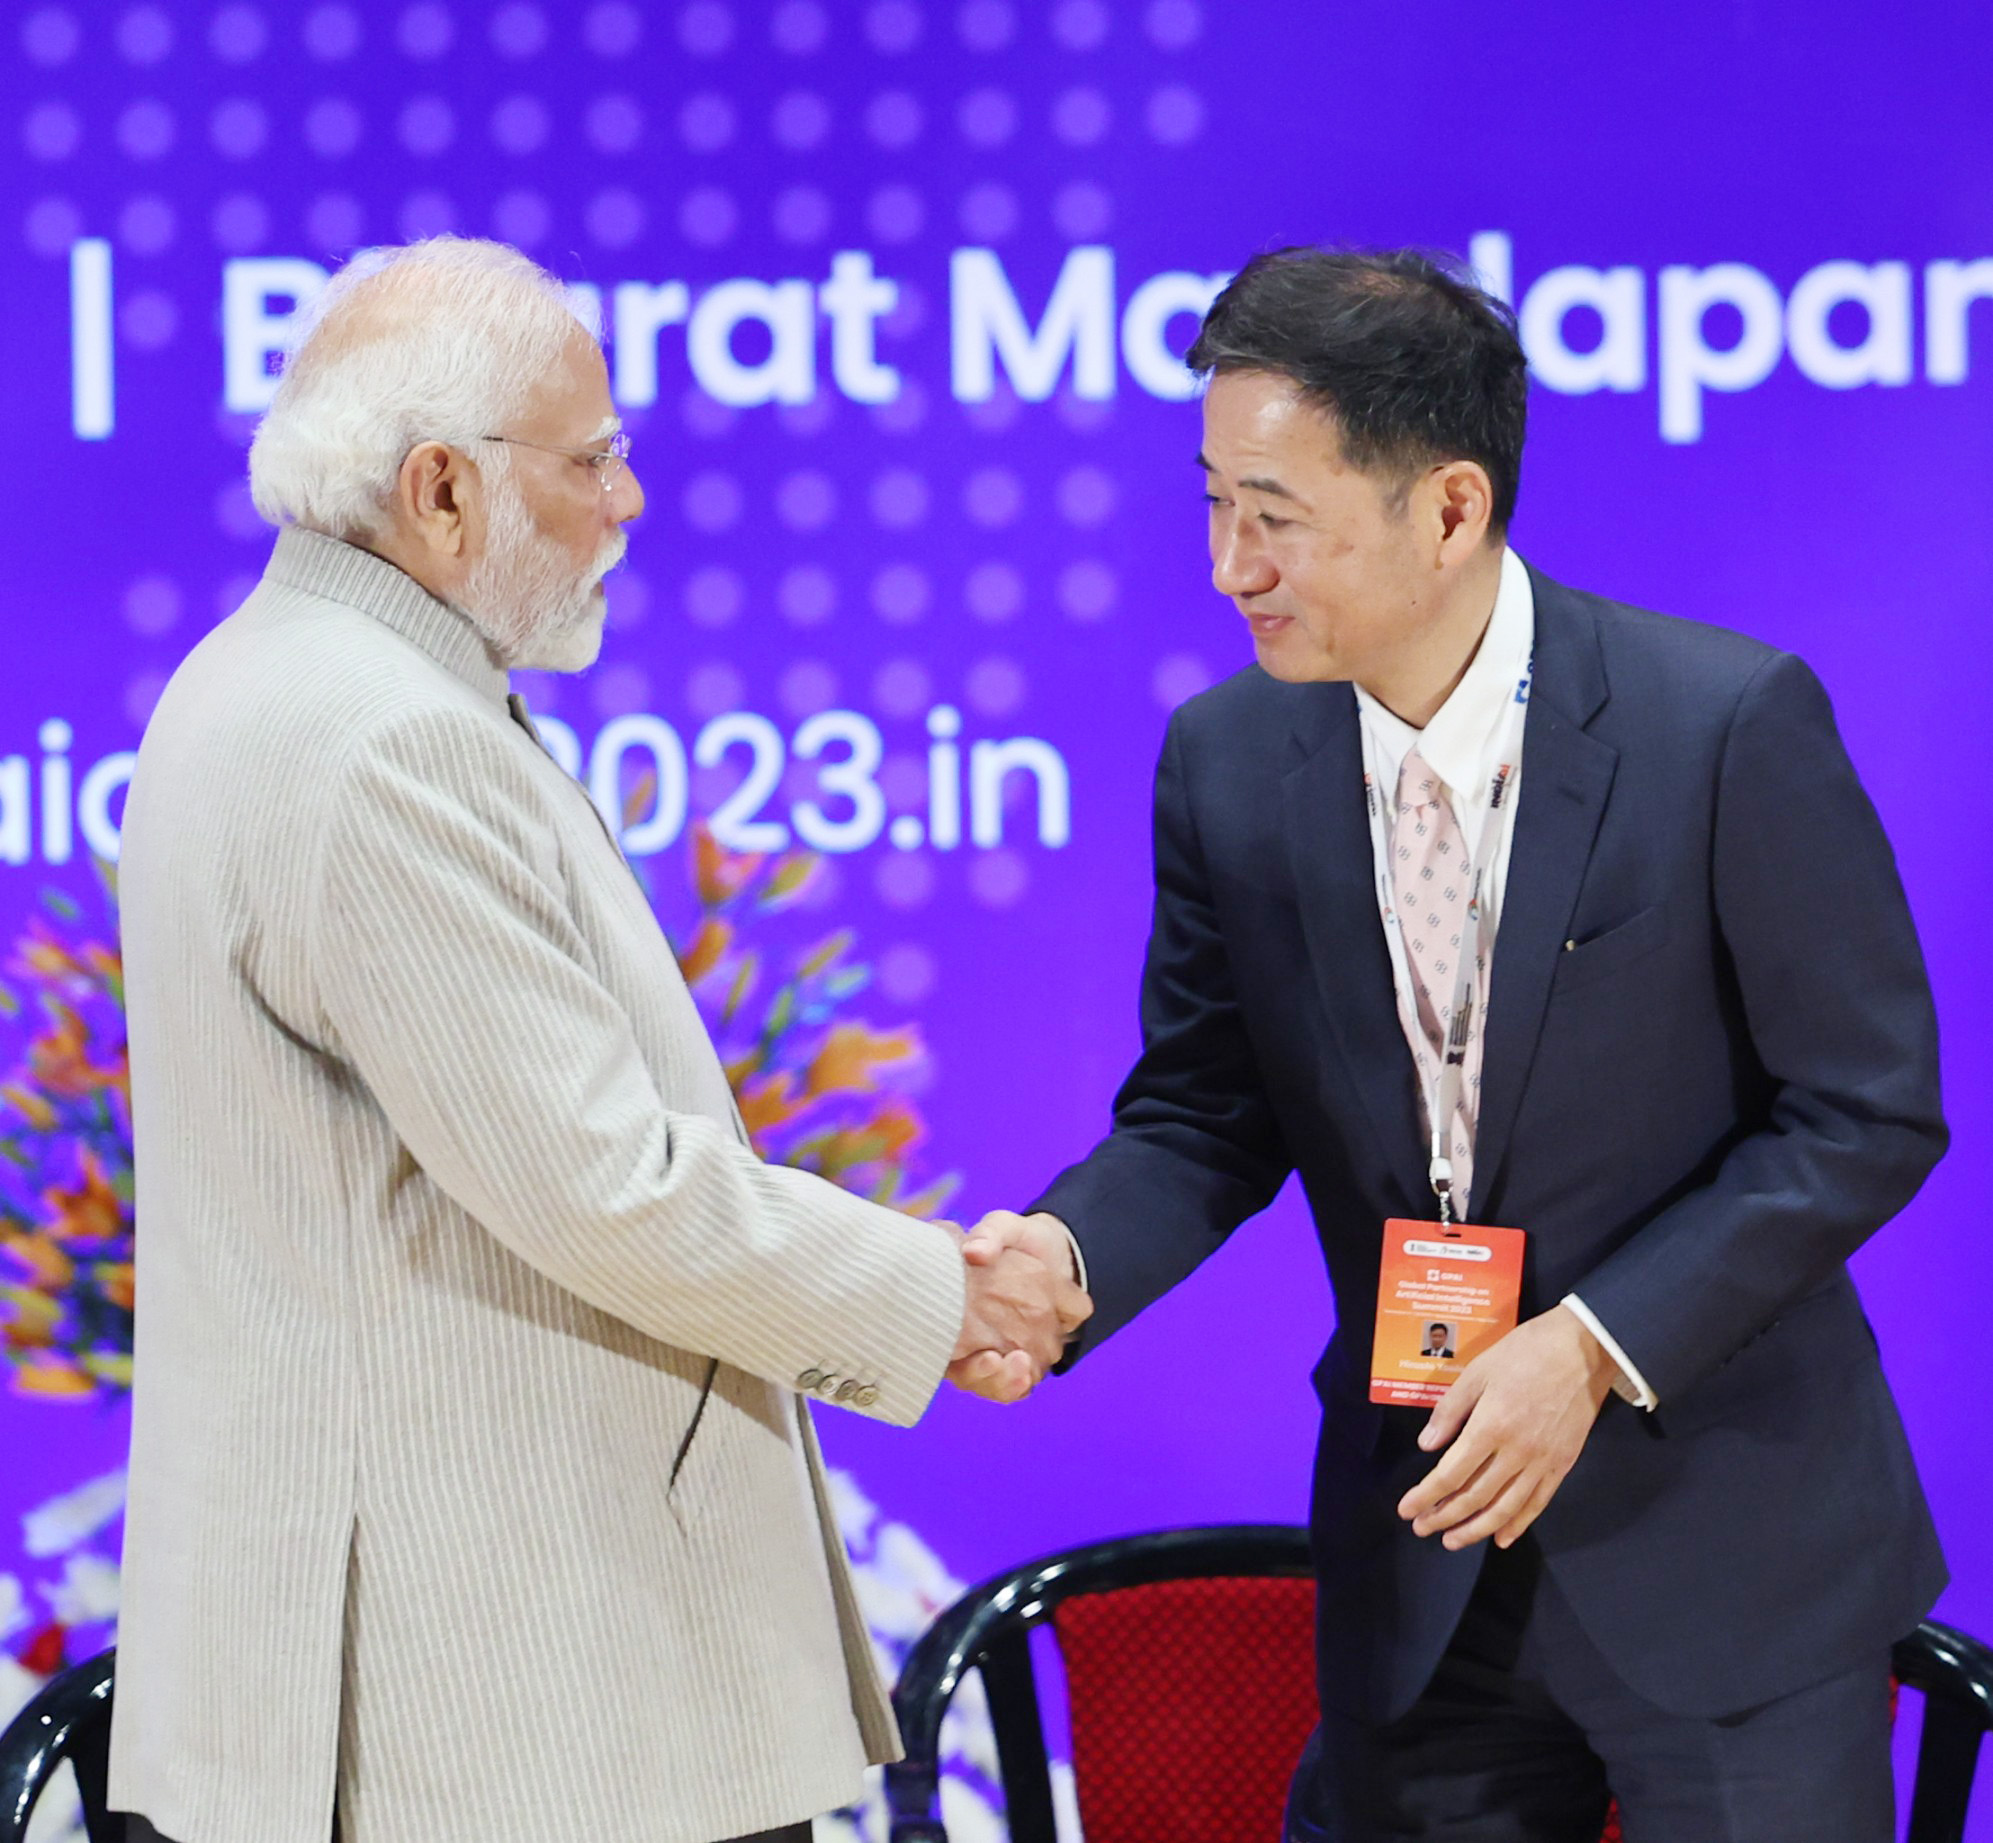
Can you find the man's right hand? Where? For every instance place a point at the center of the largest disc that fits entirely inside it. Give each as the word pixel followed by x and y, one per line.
pixel 1006 1253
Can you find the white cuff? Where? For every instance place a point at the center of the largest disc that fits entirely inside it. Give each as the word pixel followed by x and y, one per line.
pixel 1630 1385
pixel 1079 1260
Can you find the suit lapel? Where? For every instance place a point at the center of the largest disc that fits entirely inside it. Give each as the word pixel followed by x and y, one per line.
pixel 1329 848
pixel 1567 775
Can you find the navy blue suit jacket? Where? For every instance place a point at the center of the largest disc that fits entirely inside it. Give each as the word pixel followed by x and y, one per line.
pixel 1710 1074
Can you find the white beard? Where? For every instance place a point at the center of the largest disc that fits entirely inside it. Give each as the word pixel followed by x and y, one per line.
pixel 535 610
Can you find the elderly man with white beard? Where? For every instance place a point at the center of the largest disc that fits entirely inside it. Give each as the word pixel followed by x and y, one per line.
pixel 474 1492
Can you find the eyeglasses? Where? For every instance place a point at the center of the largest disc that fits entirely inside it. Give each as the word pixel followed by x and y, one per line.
pixel 606 462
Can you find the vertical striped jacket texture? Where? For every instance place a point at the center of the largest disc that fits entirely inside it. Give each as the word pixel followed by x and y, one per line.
pixel 470 1480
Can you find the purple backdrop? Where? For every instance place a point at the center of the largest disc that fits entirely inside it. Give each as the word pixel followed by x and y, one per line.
pixel 930 453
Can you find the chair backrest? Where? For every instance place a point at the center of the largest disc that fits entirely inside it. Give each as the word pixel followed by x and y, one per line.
pixel 1190 1684
pixel 1189 1703
pixel 68 1719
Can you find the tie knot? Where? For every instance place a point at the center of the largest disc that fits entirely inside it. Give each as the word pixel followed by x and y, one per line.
pixel 1418 785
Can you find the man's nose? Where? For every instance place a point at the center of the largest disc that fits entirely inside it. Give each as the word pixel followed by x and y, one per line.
pixel 1241 568
pixel 626 495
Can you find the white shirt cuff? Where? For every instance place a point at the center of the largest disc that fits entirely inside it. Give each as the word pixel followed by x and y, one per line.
pixel 1630 1385
pixel 1079 1260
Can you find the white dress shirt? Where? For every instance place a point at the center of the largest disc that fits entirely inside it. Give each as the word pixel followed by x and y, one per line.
pixel 1463 744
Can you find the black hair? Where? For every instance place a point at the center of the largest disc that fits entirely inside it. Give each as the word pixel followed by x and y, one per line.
pixel 1414 364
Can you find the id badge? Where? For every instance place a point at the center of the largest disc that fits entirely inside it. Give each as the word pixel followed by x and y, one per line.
pixel 1444 1295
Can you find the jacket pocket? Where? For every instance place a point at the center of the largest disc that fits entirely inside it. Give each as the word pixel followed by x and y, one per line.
pixel 1601 954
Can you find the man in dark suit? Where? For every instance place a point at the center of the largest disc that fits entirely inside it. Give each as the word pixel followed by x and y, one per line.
pixel 1708 1074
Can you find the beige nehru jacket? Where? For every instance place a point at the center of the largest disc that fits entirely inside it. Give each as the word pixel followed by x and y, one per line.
pixel 447 1222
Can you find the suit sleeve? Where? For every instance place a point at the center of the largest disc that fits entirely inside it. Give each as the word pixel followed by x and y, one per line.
pixel 1831 980
pixel 1194 1148
pixel 455 982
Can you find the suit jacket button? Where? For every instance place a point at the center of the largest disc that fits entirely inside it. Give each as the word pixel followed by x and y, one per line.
pixel 809 1379
pixel 867 1397
pixel 847 1391
pixel 827 1385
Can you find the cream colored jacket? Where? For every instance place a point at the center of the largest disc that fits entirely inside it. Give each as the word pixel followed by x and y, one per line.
pixel 470 1479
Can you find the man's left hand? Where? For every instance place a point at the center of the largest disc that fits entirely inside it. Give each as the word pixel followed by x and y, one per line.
pixel 1516 1420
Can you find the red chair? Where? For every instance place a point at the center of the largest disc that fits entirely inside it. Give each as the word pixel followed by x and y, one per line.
pixel 1190 1683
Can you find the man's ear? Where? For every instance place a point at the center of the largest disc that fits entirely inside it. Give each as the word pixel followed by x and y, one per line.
pixel 1463 499
pixel 430 493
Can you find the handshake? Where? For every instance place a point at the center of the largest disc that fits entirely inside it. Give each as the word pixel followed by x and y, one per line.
pixel 1024 1302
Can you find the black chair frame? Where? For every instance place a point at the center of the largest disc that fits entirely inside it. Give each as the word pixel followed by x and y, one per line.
pixel 989 1629
pixel 69 1719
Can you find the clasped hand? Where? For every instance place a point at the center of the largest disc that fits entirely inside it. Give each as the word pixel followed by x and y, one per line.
pixel 1022 1305
pixel 1513 1424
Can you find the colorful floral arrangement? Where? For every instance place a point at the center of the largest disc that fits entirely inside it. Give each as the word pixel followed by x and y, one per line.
pixel 817 1088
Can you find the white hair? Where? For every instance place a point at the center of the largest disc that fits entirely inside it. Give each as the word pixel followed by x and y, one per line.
pixel 441 340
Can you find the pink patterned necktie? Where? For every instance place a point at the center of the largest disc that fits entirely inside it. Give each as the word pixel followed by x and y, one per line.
pixel 1432 887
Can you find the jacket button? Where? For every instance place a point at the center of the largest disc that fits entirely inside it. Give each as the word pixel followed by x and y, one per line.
pixel 847 1391
pixel 827 1385
pixel 809 1379
pixel 867 1397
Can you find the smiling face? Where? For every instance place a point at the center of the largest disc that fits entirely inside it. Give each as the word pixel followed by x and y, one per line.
pixel 1342 573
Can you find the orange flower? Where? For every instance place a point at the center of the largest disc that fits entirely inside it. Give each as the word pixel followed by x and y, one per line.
pixel 60 1058
pixel 767 1101
pixel 850 1054
pixel 52 1376
pixel 44 1262
pixel 92 1212
pixel 708 945
pixel 114 1281
pixel 32 1105
pixel 31 1317
pixel 719 874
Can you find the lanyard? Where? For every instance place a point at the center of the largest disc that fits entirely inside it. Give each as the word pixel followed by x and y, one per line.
pixel 1499 795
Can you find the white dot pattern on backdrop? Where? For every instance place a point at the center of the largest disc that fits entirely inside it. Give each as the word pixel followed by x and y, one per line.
pixel 50 36
pixel 994 592
pixel 904 880
pixel 148 320
pixel 999 879
pixel 986 25
pixel 706 123
pixel 992 497
pixel 893 26
pixel 907 973
pixel 987 118
pixel 807 595
pixel 900 593
pixel 147 225
pixel 799 27
pixel 1082 211
pixel 152 605
pixel 708 216
pixel 240 223
pixel 520 124
pixel 331 33
pixel 427 214
pixel 1086 496
pixel 147 130
pixel 614 124
pixel 1178 676
pixel 806 501
pixel 894 120
pixel 518 31
pixel 615 217
pixel 238 35
pixel 52 131
pixel 1087 590
pixel 612 30
pixel 333 127
pixel 144 35
pixel 995 687
pixel 1175 115
pixel 802 214
pixel 425 32
pixel 521 217
pixel 713 688
pixel 617 690
pixel 1173 24
pixel 427 125
pixel 712 502
pixel 895 214
pixel 902 687
pixel 705 28
pixel 335 222
pixel 989 212
pixel 51 226
pixel 899 499
pixel 714 595
pixel 1081 117
pixel 800 121
pixel 238 128
pixel 1080 25
pixel 806 687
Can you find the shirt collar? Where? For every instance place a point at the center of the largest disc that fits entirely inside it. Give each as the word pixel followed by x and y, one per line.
pixel 1457 742
pixel 356 578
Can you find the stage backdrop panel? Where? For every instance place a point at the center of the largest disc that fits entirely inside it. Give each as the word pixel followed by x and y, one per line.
pixel 893 294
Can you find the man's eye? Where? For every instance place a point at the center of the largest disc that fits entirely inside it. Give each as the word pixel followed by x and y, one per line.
pixel 1273 524
pixel 1212 499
